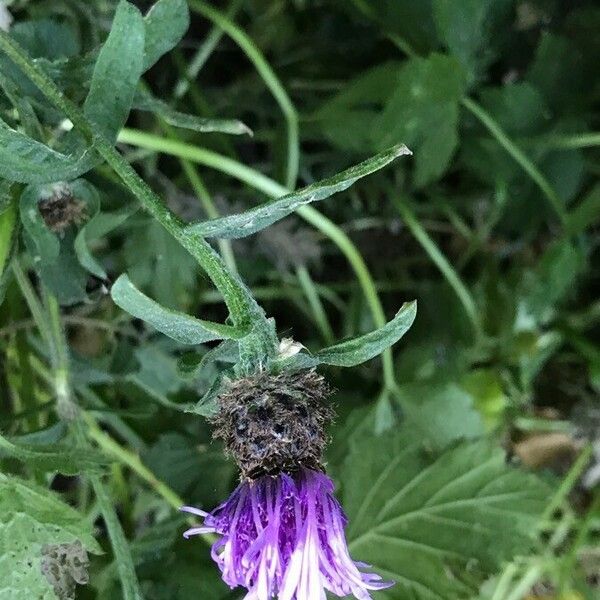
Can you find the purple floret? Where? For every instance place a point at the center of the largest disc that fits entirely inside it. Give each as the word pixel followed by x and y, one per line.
pixel 283 537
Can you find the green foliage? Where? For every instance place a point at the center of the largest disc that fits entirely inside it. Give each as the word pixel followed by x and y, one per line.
pixel 178 326
pixel 31 518
pixel 135 148
pixel 420 519
pixel 255 219
pixel 117 72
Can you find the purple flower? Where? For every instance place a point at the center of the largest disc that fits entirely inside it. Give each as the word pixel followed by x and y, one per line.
pixel 283 537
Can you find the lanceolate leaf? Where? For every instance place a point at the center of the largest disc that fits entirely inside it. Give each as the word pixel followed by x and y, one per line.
pixel 166 23
pixel 255 219
pixel 26 160
pixel 147 103
pixel 178 326
pixel 8 235
pixel 417 518
pixel 117 72
pixel 363 348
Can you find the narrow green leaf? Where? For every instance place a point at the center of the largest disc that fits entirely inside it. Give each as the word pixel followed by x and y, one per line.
pixel 26 160
pixel 54 457
pixel 145 102
pixel 178 326
pixel 255 219
pixel 420 519
pixel 8 234
pixel 166 23
pixel 358 350
pixel 117 72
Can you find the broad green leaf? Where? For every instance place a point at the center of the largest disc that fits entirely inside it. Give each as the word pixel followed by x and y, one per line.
pixel 26 160
pixel 419 519
pixel 423 112
pixel 54 457
pixel 411 21
pixel 166 23
pixel 33 519
pixel 347 118
pixel 471 28
pixel 46 38
pixel 440 412
pixel 178 326
pixel 255 219
pixel 146 102
pixel 117 72
pixel 358 350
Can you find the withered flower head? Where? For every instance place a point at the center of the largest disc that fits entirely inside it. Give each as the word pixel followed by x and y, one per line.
pixel 61 209
pixel 281 532
pixel 274 423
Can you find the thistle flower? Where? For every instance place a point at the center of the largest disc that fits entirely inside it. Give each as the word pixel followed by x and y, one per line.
pixel 282 530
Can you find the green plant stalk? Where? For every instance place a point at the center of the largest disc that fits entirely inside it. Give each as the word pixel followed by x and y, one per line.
pixel 243 308
pixel 204 52
pixel 441 262
pixel 568 482
pixel 518 155
pixel 273 189
pixel 319 314
pixel 270 79
pixel 52 333
pixel 133 461
pixel 207 204
pixel 573 141
pixel 120 546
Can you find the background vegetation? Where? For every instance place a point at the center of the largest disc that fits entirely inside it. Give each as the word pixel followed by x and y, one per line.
pixel 492 225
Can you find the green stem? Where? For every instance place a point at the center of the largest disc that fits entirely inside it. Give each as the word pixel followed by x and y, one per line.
pixel 207 203
pixel 273 189
pixel 243 308
pixel 519 156
pixel 120 546
pixel 35 306
pixel 271 81
pixel 572 141
pixel 568 482
pixel 204 52
pixel 319 314
pixel 442 264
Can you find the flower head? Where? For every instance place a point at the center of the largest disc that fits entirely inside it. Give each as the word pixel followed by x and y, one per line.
pixel 283 537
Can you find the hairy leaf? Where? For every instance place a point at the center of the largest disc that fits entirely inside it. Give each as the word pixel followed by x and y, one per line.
pixel 255 219
pixel 166 23
pixel 26 160
pixel 418 518
pixel 146 102
pixel 178 326
pixel 117 72
pixel 54 457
